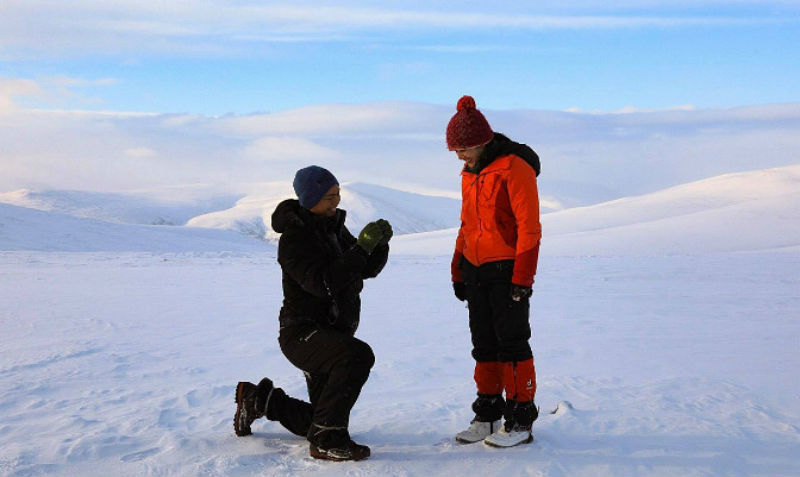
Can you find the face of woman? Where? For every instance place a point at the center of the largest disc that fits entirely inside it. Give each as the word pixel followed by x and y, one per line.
pixel 470 156
pixel 326 206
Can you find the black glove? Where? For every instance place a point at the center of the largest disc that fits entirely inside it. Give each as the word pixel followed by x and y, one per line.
pixel 386 228
pixel 460 290
pixel 369 237
pixel 518 292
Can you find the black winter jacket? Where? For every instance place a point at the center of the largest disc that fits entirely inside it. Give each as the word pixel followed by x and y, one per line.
pixel 323 268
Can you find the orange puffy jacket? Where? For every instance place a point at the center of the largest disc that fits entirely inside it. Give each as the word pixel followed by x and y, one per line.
pixel 500 218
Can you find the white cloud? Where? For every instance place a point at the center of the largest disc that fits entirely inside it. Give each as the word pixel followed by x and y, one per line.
pixel 287 148
pixel 53 89
pixel 140 152
pixel 585 157
pixel 399 117
pixel 634 109
pixel 36 27
pixel 16 88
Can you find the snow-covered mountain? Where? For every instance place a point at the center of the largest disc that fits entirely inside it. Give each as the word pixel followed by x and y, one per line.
pixel 29 229
pixel 408 212
pixel 249 215
pixel 755 210
pixel 144 208
pixel 746 211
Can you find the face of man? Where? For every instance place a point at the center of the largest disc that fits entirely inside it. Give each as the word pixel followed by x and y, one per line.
pixel 326 206
pixel 470 156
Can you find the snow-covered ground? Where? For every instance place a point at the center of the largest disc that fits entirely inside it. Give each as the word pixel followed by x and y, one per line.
pixel 669 322
pixel 125 364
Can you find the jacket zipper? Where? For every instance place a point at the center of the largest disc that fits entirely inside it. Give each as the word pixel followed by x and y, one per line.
pixel 477 215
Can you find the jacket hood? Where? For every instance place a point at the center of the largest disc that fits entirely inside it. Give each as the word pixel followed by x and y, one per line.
pixel 501 145
pixel 287 214
pixel 290 213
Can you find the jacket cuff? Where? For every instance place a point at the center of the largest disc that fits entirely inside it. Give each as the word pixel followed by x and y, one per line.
pixel 455 267
pixel 525 266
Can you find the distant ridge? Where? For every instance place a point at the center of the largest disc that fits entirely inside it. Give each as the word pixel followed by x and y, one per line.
pixel 746 211
pixel 124 208
pixel 90 221
pixel 34 230
pixel 408 212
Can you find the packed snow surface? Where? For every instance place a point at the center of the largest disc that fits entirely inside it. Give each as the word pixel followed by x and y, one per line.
pixel 126 364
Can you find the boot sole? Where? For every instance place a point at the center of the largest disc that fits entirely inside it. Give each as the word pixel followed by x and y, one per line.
pixel 322 456
pixel 239 400
pixel 466 441
pixel 497 446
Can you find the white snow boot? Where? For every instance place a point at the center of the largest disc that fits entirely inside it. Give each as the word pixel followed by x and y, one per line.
pixel 517 429
pixel 477 431
pixel 510 438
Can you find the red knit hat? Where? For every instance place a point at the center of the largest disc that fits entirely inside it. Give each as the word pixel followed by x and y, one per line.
pixel 467 128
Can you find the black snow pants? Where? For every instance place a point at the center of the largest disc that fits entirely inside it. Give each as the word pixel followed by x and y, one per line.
pixel 500 327
pixel 336 366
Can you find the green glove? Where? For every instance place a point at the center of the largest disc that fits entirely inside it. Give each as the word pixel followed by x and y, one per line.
pixel 386 228
pixel 370 237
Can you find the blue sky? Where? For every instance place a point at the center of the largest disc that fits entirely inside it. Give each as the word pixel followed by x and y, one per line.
pixel 240 57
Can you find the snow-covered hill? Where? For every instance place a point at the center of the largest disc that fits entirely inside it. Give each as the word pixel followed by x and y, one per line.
pixel 756 210
pixel 747 211
pixel 144 208
pixel 248 214
pixel 407 212
pixel 29 229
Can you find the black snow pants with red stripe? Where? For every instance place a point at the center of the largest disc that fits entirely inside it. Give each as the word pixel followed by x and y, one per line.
pixel 501 332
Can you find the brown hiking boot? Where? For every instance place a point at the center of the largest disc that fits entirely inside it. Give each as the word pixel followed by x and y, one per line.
pixel 335 444
pixel 350 451
pixel 247 409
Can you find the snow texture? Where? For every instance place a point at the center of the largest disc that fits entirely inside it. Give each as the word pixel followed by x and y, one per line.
pixel 129 361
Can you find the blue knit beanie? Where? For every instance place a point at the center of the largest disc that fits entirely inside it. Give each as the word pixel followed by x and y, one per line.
pixel 311 183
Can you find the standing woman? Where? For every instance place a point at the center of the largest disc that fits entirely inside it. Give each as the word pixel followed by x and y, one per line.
pixel 323 271
pixel 494 263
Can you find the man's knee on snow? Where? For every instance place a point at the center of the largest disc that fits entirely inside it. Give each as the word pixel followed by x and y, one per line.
pixel 362 356
pixel 357 360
